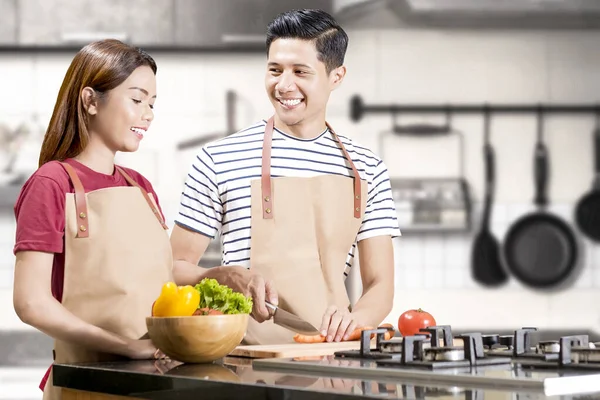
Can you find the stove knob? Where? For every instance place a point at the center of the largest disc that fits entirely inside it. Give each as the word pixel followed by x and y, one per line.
pixel 507 340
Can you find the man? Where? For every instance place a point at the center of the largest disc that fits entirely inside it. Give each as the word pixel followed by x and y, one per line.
pixel 283 197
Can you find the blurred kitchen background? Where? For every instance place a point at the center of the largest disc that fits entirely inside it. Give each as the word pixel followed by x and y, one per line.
pixel 211 66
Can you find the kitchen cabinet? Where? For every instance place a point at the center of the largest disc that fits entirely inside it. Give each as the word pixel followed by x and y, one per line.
pixel 211 22
pixel 192 24
pixel 231 23
pixel 64 22
pixel 8 21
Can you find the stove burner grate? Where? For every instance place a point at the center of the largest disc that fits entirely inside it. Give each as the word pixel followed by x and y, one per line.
pixel 365 351
pixel 419 351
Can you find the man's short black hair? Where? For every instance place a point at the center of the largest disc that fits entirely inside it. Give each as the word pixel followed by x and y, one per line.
pixel 330 39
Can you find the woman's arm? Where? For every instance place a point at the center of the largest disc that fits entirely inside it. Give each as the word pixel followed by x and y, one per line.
pixel 35 306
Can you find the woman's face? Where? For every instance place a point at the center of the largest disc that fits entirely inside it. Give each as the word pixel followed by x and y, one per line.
pixel 121 118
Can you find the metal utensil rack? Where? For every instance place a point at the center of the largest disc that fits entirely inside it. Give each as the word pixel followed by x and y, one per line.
pixel 358 108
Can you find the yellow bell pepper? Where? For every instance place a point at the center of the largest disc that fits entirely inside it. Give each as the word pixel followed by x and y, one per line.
pixel 176 301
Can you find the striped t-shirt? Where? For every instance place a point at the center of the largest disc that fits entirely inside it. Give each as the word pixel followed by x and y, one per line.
pixel 216 195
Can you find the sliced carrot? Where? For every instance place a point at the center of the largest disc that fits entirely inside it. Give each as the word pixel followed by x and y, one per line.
pixel 390 333
pixel 355 335
pixel 309 338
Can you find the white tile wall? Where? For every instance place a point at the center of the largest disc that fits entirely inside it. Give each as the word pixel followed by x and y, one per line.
pixel 432 271
pixel 17 83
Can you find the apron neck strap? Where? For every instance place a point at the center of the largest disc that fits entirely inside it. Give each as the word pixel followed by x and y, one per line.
pixel 80 201
pixel 266 190
pixel 145 194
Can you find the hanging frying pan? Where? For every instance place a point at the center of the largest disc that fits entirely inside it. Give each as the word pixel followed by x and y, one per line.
pixel 486 263
pixel 540 249
pixel 587 212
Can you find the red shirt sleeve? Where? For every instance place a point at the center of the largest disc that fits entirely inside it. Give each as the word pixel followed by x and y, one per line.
pixel 40 216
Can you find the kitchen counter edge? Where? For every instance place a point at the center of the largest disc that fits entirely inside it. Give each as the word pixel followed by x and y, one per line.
pixel 136 379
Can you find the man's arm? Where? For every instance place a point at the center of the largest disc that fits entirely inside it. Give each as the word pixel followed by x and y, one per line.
pixel 376 254
pixel 189 246
pixel 199 220
pixel 376 257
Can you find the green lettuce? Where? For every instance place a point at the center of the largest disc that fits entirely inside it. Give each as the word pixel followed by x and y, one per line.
pixel 223 298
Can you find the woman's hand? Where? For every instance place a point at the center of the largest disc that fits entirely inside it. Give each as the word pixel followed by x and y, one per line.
pixel 143 350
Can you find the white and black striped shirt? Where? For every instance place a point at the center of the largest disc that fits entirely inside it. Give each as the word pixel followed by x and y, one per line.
pixel 216 194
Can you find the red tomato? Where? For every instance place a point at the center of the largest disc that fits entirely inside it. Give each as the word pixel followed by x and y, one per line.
pixel 411 321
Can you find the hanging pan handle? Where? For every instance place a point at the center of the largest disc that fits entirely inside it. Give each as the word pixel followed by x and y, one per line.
pixel 597 149
pixel 541 164
pixel 490 169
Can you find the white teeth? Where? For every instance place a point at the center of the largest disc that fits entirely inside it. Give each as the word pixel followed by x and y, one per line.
pixel 139 131
pixel 294 102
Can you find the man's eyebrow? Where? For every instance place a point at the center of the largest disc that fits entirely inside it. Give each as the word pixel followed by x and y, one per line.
pixel 141 90
pixel 274 64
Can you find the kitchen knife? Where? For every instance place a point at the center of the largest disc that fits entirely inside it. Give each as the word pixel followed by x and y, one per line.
pixel 292 322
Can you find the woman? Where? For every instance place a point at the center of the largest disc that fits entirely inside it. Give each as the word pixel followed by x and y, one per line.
pixel 92 250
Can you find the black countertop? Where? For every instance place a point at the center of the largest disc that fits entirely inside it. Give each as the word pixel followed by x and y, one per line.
pixel 235 378
pixel 230 378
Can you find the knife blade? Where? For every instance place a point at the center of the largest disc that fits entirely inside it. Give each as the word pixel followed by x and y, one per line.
pixel 292 322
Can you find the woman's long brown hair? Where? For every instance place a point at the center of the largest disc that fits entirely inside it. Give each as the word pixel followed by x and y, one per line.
pixel 102 66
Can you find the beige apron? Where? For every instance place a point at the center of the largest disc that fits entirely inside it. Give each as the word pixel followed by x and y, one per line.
pixel 302 230
pixel 117 257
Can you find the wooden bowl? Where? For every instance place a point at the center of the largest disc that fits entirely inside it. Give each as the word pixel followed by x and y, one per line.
pixel 197 339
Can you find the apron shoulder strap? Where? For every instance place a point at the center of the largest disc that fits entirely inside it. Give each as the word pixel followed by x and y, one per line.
pixel 154 209
pixel 354 171
pixel 266 191
pixel 265 178
pixel 80 201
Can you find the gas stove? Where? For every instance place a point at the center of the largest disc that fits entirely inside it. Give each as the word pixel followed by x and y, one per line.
pixel 567 365
pixel 476 350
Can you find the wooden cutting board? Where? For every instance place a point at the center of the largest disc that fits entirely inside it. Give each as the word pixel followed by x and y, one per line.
pixel 293 349
pixel 303 349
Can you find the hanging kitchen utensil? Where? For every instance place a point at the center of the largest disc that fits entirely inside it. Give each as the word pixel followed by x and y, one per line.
pixel 431 204
pixel 230 116
pixel 541 249
pixel 587 211
pixel 486 264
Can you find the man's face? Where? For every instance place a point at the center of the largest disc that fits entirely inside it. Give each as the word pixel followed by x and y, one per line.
pixel 297 83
